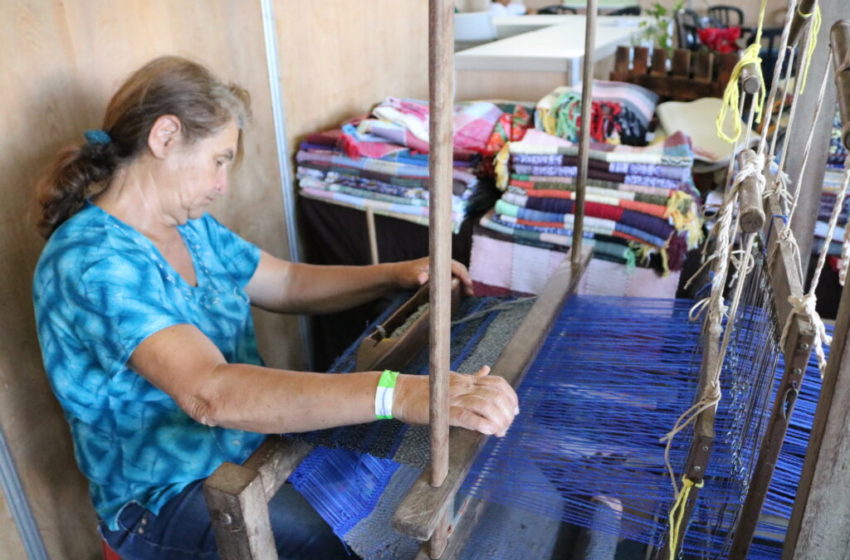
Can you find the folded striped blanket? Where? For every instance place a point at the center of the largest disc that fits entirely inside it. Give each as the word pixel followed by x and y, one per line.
pixel 406 122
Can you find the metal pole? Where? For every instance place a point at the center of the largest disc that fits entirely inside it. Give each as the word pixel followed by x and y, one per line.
pixel 287 188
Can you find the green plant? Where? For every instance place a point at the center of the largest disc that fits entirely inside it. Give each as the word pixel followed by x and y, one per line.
pixel 659 30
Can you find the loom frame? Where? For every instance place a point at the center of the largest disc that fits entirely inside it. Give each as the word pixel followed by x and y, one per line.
pixel 420 513
pixel 238 495
pixel 787 281
pixel 819 520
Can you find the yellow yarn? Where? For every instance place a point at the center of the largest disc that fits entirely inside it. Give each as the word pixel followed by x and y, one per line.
pixel 677 513
pixel 816 23
pixel 500 166
pixel 681 211
pixel 731 94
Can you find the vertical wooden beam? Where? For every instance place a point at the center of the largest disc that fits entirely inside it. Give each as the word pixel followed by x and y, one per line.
pixel 584 136
pixel 820 520
pixel 811 180
pixel 441 77
pixel 372 234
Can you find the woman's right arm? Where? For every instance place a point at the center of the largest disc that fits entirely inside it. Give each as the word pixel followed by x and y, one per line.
pixel 184 363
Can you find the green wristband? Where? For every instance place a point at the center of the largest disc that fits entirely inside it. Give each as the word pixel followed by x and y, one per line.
pixel 384 395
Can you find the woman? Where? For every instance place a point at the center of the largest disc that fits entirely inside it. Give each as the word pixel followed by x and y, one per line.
pixel 143 313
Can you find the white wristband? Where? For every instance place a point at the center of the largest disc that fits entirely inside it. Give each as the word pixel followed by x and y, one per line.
pixel 384 395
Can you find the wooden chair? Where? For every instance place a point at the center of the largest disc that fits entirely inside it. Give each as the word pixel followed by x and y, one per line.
pixel 725 16
pixel 688 23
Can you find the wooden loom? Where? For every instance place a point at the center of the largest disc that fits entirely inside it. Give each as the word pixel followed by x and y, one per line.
pixel 238 494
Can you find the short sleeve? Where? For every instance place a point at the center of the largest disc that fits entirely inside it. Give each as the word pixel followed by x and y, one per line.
pixel 116 304
pixel 239 257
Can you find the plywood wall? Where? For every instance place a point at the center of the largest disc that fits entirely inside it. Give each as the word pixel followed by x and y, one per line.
pixel 338 59
pixel 64 58
pixel 63 61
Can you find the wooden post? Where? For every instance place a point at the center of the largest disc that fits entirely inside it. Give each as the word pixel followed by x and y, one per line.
pixel 801 20
pixel 441 77
pixel 373 236
pixel 584 137
pixel 810 180
pixel 820 520
pixel 239 510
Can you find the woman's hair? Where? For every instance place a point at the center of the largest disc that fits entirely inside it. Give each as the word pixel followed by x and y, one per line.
pixel 168 85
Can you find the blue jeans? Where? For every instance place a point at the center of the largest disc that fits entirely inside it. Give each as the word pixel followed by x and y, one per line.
pixel 182 529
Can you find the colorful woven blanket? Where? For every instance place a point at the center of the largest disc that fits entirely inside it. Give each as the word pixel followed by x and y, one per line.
pixel 620 112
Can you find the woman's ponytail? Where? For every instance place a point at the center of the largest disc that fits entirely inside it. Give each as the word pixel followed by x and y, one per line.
pixel 77 173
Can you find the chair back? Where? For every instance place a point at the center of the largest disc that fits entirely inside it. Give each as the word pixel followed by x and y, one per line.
pixel 687 24
pixel 725 16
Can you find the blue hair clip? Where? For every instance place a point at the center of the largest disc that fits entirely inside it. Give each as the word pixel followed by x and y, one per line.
pixel 97 137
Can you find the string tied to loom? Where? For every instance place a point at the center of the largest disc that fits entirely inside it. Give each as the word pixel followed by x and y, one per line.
pixel 807 304
pixel 813 40
pixel 779 188
pixel 806 307
pixel 677 512
pixel 732 92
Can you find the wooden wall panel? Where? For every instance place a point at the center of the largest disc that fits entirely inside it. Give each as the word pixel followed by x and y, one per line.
pixel 63 61
pixel 338 58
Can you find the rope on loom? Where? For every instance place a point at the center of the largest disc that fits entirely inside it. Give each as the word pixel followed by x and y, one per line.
pixel 806 305
pixel 722 231
pixel 731 93
pixel 782 181
pixel 813 35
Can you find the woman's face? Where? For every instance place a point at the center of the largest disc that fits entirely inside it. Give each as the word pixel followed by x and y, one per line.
pixel 200 172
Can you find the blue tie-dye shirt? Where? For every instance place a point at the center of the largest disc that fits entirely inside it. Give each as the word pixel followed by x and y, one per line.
pixel 100 289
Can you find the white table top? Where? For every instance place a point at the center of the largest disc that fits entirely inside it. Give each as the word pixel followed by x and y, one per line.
pixel 508 26
pixel 601 4
pixel 551 49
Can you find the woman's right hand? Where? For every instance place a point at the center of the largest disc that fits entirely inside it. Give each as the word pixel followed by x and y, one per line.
pixel 478 402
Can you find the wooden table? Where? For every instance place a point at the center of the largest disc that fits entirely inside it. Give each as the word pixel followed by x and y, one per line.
pixel 527 66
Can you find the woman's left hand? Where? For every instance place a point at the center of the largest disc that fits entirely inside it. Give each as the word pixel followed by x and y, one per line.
pixel 412 274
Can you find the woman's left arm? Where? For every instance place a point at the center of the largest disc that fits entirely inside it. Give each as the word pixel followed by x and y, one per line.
pixel 285 287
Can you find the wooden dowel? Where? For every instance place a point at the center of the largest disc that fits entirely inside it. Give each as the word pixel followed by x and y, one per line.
pixel 584 138
pixel 750 78
pixel 373 237
pixel 441 76
pixel 839 36
pixel 750 201
pixel 801 20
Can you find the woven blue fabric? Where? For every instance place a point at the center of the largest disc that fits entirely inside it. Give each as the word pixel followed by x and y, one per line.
pixel 100 289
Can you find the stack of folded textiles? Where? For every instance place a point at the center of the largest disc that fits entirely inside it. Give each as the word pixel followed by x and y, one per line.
pixel 381 162
pixel 640 202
